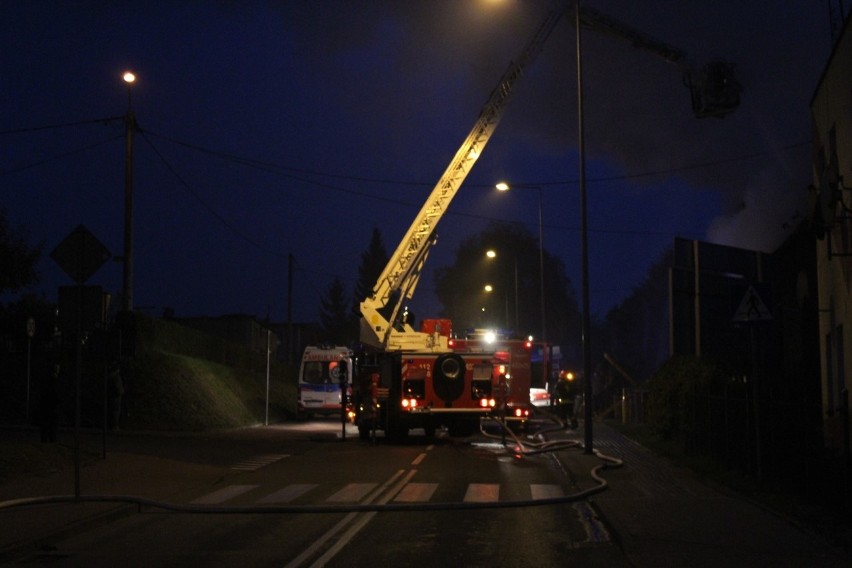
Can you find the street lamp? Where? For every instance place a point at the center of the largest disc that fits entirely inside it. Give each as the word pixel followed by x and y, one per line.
pixel 584 245
pixel 503 186
pixel 129 127
pixel 491 254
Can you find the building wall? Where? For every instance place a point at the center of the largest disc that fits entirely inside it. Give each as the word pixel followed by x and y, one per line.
pixel 831 111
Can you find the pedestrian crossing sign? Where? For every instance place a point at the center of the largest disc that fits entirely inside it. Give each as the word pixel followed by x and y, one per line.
pixel 752 307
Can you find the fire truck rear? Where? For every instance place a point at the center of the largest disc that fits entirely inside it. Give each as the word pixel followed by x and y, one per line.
pixel 512 370
pixel 400 391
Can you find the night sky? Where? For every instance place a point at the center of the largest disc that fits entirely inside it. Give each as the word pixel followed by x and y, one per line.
pixel 296 127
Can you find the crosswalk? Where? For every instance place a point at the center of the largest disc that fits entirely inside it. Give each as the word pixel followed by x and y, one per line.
pixel 410 492
pixel 257 462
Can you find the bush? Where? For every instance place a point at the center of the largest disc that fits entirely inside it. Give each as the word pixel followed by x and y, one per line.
pixel 673 389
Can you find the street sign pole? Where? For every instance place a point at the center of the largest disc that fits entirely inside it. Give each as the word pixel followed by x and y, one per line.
pixel 30 333
pixel 79 255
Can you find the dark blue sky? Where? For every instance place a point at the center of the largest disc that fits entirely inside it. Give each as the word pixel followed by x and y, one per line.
pixel 272 128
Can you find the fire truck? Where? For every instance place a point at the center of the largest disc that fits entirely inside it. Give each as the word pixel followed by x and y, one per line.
pixel 511 373
pixel 426 378
pixel 410 378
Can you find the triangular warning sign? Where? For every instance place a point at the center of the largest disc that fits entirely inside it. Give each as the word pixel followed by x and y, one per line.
pixel 752 308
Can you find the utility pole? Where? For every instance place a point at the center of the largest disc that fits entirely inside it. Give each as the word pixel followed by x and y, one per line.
pixel 584 248
pixel 290 357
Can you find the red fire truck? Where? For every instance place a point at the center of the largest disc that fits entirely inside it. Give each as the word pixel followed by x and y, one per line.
pixel 512 369
pixel 410 378
pixel 481 376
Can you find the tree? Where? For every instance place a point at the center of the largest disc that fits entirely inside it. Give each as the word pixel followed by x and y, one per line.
pixel 17 259
pixel 334 315
pixel 514 301
pixel 373 262
pixel 636 331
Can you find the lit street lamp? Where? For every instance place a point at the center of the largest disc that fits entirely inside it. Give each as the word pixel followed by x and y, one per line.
pixel 129 127
pixel 503 186
pixel 491 254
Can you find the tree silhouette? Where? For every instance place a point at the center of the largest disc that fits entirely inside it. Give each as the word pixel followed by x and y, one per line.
pixel 334 315
pixel 17 259
pixel 514 302
pixel 636 332
pixel 373 262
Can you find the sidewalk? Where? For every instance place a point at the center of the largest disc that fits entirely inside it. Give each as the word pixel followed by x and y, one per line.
pixel 122 473
pixel 664 515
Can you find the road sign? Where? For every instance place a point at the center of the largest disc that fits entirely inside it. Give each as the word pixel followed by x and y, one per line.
pixel 80 254
pixel 752 307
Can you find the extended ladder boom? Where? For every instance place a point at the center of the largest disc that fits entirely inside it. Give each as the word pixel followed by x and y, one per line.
pixel 398 280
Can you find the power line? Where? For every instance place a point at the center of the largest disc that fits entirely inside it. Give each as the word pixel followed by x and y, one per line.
pixel 204 204
pixel 61 156
pixel 291 173
pixel 62 125
pixel 277 168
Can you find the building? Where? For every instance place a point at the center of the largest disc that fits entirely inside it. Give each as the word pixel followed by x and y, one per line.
pixel 754 315
pixel 831 114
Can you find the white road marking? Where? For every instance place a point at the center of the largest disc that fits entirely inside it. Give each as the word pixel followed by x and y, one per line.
pixel 224 494
pixel 362 522
pixel 258 462
pixel 289 493
pixel 545 491
pixel 352 493
pixel 416 492
pixel 342 524
pixel 482 493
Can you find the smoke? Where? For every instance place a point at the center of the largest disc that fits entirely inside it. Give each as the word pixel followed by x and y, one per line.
pixel 428 65
pixel 767 215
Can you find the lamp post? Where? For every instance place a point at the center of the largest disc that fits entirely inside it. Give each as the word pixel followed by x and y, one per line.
pixel 491 253
pixel 129 127
pixel 503 186
pixel 584 245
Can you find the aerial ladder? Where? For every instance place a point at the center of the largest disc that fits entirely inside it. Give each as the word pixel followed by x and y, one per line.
pixel 383 318
pixel 384 322
pixel 713 88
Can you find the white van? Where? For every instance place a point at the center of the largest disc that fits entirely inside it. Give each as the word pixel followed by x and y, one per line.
pixel 320 380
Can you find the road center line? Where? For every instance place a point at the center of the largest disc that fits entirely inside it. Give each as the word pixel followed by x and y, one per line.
pixel 311 550
pixel 362 522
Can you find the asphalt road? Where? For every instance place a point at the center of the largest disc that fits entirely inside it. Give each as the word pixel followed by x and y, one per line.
pixel 452 502
pixel 295 495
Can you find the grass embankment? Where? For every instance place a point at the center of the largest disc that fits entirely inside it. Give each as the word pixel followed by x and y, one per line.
pixel 179 380
pixel 183 379
pixel 169 391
